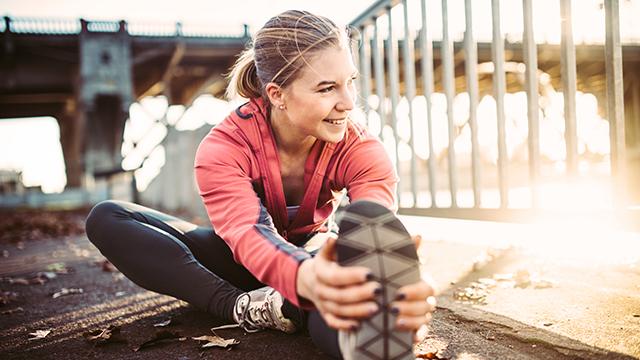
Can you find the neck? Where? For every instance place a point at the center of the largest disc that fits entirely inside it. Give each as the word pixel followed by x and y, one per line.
pixel 288 139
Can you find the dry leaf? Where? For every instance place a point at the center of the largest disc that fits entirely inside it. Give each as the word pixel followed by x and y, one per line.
pixel 60 268
pixel 65 291
pixel 107 266
pixel 109 335
pixel 163 323
pixel 38 280
pixel 39 334
pixel 161 336
pixel 19 281
pixel 12 311
pixel 216 341
pixel 429 355
pixel 7 297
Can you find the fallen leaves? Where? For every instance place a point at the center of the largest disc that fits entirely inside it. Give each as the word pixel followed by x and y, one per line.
pixel 39 279
pixel 7 297
pixel 106 336
pixel 20 225
pixel 163 323
pixel 66 291
pixel 60 268
pixel 39 334
pixel 164 336
pixel 107 266
pixel 216 341
pixel 430 355
pixel 477 291
pixel 160 337
pixel 12 311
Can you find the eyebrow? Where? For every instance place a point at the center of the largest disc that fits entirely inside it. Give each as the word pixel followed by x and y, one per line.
pixel 331 82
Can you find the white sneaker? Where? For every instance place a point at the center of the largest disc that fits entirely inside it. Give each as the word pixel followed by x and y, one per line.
pixel 373 237
pixel 260 309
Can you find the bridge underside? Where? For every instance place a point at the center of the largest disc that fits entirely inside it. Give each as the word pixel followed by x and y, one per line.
pixel 87 82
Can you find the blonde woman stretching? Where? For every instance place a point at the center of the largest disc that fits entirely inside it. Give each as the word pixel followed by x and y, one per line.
pixel 271 176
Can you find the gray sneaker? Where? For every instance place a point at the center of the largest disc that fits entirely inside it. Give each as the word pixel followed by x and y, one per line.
pixel 260 309
pixel 373 237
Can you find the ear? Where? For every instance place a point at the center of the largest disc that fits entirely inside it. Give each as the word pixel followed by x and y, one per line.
pixel 275 94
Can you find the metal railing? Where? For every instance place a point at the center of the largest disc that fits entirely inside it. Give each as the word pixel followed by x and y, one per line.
pixel 421 177
pixel 39 26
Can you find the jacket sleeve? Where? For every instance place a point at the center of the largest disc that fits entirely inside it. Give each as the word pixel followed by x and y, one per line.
pixel 222 168
pixel 368 173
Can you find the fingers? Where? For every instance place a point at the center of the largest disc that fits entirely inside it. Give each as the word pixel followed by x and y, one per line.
pixel 351 311
pixel 338 323
pixel 417 240
pixel 415 305
pixel 411 308
pixel 416 291
pixel 412 322
pixel 351 294
pixel 335 275
pixel 328 250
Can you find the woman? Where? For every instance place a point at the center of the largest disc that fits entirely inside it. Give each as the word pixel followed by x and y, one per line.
pixel 271 175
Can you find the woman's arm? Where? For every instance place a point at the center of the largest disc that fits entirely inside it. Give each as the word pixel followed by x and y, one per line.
pixel 222 169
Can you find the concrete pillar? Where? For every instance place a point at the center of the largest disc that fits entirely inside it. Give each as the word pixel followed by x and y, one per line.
pixel 72 128
pixel 105 92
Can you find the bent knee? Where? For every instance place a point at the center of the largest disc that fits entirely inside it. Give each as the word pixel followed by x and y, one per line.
pixel 99 217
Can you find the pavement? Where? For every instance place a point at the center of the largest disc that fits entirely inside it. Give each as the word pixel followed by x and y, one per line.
pixel 501 297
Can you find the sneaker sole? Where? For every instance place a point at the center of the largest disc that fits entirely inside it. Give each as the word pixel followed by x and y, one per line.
pixel 373 237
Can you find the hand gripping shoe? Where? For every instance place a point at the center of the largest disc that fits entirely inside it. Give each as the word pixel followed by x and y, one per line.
pixel 373 237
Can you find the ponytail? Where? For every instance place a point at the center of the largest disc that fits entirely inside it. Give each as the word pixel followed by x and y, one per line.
pixel 243 78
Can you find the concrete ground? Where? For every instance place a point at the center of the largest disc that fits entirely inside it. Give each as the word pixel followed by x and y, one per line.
pixel 498 301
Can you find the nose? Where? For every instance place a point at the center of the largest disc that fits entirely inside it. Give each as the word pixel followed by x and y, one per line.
pixel 346 101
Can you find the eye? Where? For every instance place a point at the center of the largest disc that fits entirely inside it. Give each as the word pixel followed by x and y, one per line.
pixel 326 90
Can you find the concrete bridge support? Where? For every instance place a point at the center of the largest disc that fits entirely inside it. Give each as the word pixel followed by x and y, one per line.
pixel 105 93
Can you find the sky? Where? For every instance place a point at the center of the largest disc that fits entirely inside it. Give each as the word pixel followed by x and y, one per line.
pixel 33 145
pixel 222 14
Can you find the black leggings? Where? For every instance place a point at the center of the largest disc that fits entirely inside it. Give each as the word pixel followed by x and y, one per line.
pixel 170 256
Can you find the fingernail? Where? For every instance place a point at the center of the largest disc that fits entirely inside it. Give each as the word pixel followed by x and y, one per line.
pixel 369 276
pixel 377 291
pixel 401 322
pixel 373 309
pixel 400 296
pixel 395 310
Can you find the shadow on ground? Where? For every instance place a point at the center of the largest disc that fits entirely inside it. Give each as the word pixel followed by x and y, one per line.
pixel 458 331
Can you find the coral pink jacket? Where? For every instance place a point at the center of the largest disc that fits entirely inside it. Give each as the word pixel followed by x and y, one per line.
pixel 238 174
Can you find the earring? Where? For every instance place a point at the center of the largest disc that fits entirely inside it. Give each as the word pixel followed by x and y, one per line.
pixel 281 107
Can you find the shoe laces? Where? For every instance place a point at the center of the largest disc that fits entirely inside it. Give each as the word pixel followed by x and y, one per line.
pixel 256 315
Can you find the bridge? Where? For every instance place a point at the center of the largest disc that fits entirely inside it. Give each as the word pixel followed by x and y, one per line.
pixel 86 74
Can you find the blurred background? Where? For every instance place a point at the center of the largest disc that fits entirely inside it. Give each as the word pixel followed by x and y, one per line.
pixel 110 100
pixel 514 126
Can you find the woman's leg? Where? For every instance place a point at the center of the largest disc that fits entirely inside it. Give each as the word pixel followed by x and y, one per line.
pixel 325 338
pixel 169 256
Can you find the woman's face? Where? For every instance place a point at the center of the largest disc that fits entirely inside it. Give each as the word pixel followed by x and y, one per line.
pixel 320 99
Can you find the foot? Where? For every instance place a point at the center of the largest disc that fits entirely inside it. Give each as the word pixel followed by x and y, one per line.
pixel 260 309
pixel 372 236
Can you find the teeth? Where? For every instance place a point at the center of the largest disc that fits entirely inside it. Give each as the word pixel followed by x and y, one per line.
pixel 335 122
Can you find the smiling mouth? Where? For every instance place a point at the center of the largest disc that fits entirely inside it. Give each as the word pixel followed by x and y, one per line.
pixel 336 121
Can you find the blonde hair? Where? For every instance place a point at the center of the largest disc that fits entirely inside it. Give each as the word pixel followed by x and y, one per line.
pixel 279 51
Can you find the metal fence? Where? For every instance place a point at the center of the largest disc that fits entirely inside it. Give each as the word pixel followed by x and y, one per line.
pixel 44 26
pixel 382 35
